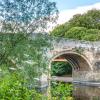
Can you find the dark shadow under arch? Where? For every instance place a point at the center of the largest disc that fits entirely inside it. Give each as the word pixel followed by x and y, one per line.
pixel 77 61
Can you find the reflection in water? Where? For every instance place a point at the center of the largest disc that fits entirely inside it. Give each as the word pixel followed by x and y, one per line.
pixel 86 92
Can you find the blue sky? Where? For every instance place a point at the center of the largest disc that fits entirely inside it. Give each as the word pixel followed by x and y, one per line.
pixel 68 8
pixel 71 4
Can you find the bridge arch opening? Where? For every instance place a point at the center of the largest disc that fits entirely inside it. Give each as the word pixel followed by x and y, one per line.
pixel 61 68
pixel 77 61
pixel 79 64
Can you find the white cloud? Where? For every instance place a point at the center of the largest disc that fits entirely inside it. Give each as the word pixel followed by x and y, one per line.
pixel 65 15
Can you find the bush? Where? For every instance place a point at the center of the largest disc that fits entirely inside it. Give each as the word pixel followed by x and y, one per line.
pixel 61 68
pixel 61 91
pixel 13 87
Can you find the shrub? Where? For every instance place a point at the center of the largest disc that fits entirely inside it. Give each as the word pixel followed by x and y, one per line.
pixel 13 87
pixel 61 91
pixel 61 68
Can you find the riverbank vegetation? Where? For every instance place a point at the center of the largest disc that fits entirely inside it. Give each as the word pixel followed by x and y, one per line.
pixel 61 91
pixel 14 87
pixel 21 65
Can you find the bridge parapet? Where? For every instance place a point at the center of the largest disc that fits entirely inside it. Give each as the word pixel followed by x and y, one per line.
pixel 65 43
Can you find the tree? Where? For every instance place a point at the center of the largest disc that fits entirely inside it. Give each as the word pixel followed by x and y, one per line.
pixel 59 31
pixel 22 17
pixel 26 57
pixel 22 51
pixel 76 32
pixel 89 20
pixel 82 27
pixel 26 16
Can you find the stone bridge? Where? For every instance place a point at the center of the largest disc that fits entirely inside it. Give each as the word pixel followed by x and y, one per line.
pixel 83 56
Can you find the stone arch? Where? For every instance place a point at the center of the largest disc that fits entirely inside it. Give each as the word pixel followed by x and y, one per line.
pixel 77 61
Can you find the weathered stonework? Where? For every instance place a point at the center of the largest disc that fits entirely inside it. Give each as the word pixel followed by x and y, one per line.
pixel 83 56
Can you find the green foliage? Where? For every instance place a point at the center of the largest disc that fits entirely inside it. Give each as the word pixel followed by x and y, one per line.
pixel 22 59
pixel 24 54
pixel 59 31
pixel 89 20
pixel 81 27
pixel 61 91
pixel 92 37
pixel 26 15
pixel 61 68
pixel 76 32
pixel 13 87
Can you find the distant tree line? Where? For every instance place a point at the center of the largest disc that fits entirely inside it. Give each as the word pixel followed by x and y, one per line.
pixel 82 27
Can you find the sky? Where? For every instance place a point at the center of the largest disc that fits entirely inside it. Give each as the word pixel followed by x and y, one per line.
pixel 68 8
pixel 72 4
